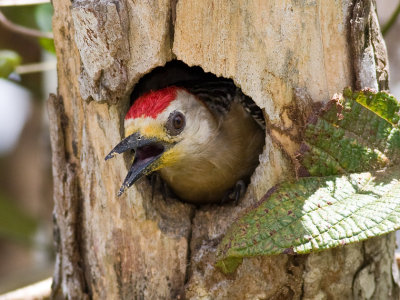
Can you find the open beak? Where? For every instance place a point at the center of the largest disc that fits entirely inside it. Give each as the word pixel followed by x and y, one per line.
pixel 147 154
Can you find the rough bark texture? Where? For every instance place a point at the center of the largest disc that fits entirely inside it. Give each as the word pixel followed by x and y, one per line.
pixel 287 56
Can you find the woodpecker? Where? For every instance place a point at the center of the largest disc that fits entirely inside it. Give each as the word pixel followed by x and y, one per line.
pixel 202 138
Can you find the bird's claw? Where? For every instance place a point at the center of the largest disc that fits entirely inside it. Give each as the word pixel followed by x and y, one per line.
pixel 156 182
pixel 235 193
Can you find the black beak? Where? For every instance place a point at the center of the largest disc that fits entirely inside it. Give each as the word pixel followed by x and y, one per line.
pixel 147 154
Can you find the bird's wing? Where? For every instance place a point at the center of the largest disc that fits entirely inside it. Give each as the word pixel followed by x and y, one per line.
pixel 252 108
pixel 219 95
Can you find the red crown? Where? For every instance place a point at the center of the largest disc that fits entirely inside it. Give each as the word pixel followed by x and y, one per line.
pixel 152 103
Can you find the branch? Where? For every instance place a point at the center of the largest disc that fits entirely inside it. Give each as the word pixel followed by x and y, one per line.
pixel 23 30
pixel 36 67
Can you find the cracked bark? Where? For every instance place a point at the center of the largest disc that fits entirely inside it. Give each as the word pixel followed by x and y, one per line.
pixel 287 56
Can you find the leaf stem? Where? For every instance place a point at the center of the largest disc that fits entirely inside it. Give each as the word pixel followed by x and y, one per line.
pixel 392 20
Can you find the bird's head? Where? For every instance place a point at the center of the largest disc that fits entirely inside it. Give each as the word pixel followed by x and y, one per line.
pixel 162 128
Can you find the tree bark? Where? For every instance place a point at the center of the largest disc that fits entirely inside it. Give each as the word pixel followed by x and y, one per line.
pixel 286 55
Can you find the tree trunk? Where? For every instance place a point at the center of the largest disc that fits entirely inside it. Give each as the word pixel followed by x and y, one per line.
pixel 286 55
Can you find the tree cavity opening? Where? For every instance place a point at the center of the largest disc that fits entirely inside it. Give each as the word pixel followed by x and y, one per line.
pixel 222 118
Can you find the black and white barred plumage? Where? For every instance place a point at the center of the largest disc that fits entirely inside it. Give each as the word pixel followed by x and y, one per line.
pixel 219 95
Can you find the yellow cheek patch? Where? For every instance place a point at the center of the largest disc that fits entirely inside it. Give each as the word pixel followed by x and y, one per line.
pixel 169 158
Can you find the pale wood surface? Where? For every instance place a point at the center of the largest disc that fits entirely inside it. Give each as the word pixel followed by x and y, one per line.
pixel 286 55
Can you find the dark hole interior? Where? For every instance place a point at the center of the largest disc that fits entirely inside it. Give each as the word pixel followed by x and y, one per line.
pixel 173 73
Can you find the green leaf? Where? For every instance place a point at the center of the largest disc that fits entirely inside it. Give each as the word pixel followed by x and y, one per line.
pixel 48 45
pixel 354 145
pixel 314 214
pixel 384 105
pixel 43 17
pixel 14 224
pixel 347 137
pixel 9 60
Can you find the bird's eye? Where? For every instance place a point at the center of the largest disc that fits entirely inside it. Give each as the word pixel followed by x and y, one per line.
pixel 176 123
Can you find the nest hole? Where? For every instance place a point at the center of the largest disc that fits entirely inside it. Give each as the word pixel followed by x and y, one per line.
pixel 177 73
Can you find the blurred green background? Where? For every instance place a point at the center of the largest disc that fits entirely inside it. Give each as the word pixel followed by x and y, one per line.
pixel 27 76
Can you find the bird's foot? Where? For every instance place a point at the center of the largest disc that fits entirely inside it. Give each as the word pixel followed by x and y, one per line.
pixel 235 193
